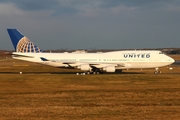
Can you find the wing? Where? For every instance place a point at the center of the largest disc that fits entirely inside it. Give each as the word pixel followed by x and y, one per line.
pixel 86 66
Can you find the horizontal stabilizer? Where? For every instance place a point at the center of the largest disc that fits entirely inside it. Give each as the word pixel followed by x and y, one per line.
pixel 44 59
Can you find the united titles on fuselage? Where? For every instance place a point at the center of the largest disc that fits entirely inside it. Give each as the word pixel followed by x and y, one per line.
pixel 137 55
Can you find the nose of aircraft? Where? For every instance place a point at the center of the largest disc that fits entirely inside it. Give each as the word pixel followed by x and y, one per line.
pixel 168 60
pixel 171 60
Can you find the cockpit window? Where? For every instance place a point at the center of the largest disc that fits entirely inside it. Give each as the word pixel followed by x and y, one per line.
pixel 160 52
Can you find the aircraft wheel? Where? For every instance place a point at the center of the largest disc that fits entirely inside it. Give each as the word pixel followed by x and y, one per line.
pixel 83 73
pixel 156 72
pixel 94 73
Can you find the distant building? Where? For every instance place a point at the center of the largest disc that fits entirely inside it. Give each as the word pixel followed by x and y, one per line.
pixel 80 51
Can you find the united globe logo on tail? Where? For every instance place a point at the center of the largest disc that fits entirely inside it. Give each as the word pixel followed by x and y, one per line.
pixel 21 43
pixel 25 45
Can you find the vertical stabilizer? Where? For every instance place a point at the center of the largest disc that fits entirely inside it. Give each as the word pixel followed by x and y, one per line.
pixel 21 43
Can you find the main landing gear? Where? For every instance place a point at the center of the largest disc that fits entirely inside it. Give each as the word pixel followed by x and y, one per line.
pixel 157 71
pixel 94 71
pixel 87 73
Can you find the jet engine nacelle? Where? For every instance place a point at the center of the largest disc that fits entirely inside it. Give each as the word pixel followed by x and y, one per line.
pixel 85 67
pixel 109 69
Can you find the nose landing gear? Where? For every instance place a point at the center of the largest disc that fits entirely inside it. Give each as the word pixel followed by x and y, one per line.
pixel 157 71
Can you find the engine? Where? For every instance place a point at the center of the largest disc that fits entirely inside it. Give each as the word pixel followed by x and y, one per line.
pixel 109 69
pixel 85 67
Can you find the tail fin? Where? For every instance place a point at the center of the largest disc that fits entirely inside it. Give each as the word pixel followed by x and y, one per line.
pixel 21 43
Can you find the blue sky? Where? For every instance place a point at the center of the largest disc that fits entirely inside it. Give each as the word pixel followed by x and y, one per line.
pixel 92 24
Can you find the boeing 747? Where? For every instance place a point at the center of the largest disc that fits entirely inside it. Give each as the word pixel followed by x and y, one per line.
pixel 88 62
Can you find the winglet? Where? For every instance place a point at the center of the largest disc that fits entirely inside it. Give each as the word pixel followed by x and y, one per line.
pixel 21 43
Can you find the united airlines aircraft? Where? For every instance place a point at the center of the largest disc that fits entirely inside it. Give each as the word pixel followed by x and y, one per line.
pixel 88 62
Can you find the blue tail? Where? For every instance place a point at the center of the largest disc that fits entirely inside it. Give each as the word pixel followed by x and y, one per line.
pixel 21 43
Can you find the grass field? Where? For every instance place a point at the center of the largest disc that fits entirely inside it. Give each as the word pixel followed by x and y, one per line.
pixel 43 92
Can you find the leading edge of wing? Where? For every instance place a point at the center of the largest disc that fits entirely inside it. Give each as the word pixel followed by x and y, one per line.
pixel 96 64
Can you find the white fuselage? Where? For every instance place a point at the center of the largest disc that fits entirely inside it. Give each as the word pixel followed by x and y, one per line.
pixel 118 59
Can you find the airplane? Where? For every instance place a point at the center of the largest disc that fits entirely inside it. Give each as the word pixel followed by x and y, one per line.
pixel 94 63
